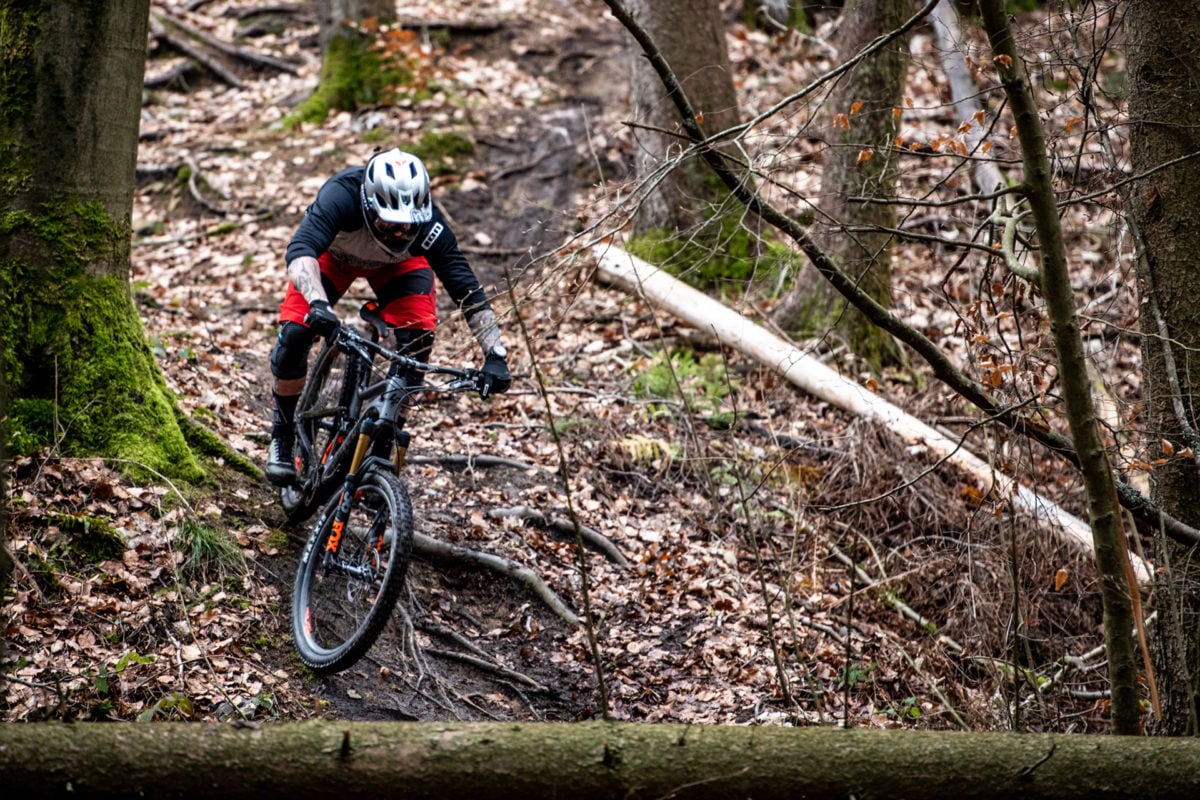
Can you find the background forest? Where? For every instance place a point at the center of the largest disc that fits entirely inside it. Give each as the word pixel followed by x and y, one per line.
pixel 773 557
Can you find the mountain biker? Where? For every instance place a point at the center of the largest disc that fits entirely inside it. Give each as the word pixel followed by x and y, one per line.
pixel 377 222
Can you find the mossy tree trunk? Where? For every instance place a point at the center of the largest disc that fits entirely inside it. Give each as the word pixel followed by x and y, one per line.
pixel 690 34
pixel 861 161
pixel 583 761
pixel 353 71
pixel 1163 63
pixel 80 375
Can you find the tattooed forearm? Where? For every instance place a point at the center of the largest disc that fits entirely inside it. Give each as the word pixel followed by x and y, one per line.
pixel 305 273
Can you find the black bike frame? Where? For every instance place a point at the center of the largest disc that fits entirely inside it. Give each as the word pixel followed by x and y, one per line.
pixel 371 406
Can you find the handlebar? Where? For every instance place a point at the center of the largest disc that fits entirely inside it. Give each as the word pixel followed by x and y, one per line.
pixel 348 338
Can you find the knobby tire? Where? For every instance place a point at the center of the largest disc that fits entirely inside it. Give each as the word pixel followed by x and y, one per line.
pixel 337 612
pixel 320 413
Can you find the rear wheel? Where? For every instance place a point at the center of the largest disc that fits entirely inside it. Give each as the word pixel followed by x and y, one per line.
pixel 347 585
pixel 321 415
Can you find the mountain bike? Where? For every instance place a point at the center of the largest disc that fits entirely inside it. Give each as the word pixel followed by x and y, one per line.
pixel 351 444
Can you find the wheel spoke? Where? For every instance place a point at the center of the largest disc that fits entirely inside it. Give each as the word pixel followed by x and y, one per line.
pixel 342 599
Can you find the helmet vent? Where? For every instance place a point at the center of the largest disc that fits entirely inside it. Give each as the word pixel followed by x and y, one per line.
pixel 396 188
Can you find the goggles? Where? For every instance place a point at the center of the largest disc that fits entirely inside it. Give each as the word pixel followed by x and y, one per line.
pixel 395 235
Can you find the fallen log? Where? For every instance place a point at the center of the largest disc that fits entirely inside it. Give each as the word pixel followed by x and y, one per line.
pixel 618 267
pixel 583 761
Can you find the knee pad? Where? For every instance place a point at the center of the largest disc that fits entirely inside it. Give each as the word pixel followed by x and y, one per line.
pixel 289 357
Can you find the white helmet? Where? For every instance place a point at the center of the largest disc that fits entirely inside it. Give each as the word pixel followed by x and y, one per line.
pixel 395 197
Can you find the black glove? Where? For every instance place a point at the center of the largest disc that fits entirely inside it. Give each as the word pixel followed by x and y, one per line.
pixel 494 377
pixel 321 319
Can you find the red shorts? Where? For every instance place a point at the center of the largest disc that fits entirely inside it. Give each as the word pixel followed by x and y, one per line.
pixel 405 290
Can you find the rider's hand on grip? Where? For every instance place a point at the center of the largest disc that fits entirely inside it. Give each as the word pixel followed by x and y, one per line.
pixel 321 319
pixel 494 377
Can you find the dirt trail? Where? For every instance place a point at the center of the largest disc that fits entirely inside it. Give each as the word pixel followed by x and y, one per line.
pixel 535 165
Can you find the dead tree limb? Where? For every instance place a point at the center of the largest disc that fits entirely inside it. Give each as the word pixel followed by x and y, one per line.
pixel 233 51
pixel 435 549
pixel 1149 515
pixel 808 373
pixel 194 51
pixel 560 525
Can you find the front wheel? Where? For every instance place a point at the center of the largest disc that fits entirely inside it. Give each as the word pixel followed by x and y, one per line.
pixel 347 584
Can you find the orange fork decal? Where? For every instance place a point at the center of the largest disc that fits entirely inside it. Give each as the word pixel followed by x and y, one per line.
pixel 335 537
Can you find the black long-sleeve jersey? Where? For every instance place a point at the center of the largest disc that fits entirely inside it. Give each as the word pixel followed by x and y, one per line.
pixel 335 223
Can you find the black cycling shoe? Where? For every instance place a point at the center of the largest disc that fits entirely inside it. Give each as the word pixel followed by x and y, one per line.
pixel 281 468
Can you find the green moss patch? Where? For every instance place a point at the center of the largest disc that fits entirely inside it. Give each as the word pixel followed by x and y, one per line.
pixel 75 350
pixel 354 74
pixel 443 153
pixel 720 257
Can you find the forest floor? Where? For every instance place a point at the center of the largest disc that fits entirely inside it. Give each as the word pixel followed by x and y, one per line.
pixel 736 604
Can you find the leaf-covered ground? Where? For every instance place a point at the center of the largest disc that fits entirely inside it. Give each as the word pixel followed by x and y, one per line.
pixel 148 600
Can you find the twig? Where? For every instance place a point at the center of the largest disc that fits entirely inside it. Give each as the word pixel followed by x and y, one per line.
pixel 953 647
pixel 564 473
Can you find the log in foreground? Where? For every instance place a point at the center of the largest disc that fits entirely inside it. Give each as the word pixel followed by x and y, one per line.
pixel 581 761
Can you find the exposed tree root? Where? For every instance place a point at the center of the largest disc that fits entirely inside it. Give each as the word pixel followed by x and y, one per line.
pixel 561 525
pixel 175 74
pixel 487 666
pixel 443 551
pixel 471 461
pixel 204 441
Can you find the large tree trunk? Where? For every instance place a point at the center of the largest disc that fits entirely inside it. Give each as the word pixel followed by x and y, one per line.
pixel 80 374
pixel 691 37
pixel 584 761
pixel 861 161
pixel 336 17
pixel 6 562
pixel 1165 209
